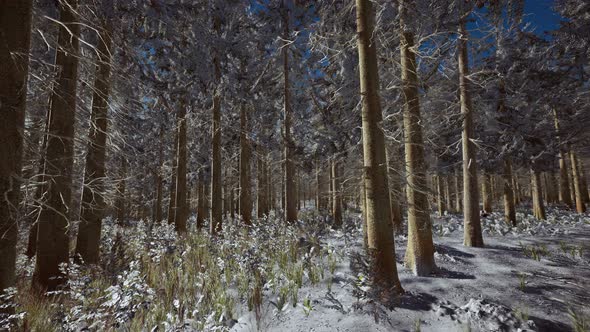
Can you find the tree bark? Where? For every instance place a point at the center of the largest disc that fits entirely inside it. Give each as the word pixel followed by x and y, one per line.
pixel 121 202
pixel 181 213
pixel 93 200
pixel 472 225
pixel 538 206
pixel 420 250
pixel 216 185
pixel 564 183
pixel 290 190
pixel 337 195
pixel 52 236
pixel 487 192
pixel 457 184
pixel 378 209
pixel 245 182
pixel 509 209
pixel 201 202
pixel 15 18
pixel 172 189
pixel 440 197
pixel 580 206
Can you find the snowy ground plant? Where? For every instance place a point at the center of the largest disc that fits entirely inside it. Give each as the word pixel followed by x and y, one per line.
pixel 152 278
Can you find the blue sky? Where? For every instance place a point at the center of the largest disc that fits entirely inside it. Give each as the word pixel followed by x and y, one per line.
pixel 541 15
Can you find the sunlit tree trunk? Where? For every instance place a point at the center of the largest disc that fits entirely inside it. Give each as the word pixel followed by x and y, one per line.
pixel 379 229
pixel 420 250
pixel 564 183
pixel 448 193
pixel 472 226
pixel 580 206
pixel 15 36
pixel 93 201
pixel 52 236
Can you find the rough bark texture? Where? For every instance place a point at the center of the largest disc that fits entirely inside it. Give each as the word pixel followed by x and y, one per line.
pixel 52 235
pixel 420 250
pixel 379 230
pixel 337 195
pixel 181 213
pixel 472 225
pixel 245 181
pixel 93 201
pixel 15 35
pixel 580 206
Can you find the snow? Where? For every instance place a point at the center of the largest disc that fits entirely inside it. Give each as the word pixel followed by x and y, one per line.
pixel 475 289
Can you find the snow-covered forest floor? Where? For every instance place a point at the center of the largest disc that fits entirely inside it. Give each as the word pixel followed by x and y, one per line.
pixel 308 277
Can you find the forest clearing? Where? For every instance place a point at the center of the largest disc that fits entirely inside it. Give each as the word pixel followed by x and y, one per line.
pixel 291 165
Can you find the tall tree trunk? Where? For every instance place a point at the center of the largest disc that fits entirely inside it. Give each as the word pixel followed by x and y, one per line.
pixel 216 185
pixel 290 190
pixel 52 236
pixel 363 200
pixel 394 193
pixel 270 193
pixel 245 182
pixel 93 201
pixel 564 183
pixel 509 209
pixel 472 225
pixel 318 191
pixel 580 207
pixel 337 195
pixel 159 185
pixel 172 189
pixel 181 213
pixel 440 198
pixel 584 182
pixel 379 229
pixel 420 250
pixel 487 192
pixel 15 36
pixel 457 184
pixel 448 192
pixel 538 206
pixel 201 202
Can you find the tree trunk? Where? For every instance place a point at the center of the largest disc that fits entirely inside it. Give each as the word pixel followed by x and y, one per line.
pixel 487 192
pixel 538 206
pixel 290 190
pixel 584 182
pixel 93 200
pixel 448 192
pixel 337 195
pixel 564 183
pixel 216 185
pixel 509 209
pixel 394 193
pixel 15 36
pixel 580 207
pixel 201 202
pixel 174 170
pixel 378 209
pixel 245 182
pixel 53 239
pixel 420 250
pixel 457 184
pixel 440 198
pixel 159 185
pixel 181 213
pixel 472 226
